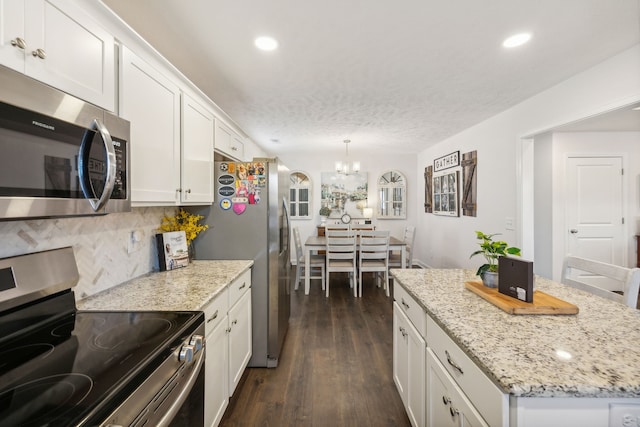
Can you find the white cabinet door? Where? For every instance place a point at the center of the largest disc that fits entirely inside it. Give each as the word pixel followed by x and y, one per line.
pixel 240 340
pixel 63 46
pixel 447 405
pixel 12 38
pixel 228 142
pixel 409 365
pixel 198 127
pixel 216 391
pixel 400 352
pixel 416 380
pixel 151 102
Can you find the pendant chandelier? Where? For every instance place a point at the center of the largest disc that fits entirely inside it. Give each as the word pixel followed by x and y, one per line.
pixel 345 167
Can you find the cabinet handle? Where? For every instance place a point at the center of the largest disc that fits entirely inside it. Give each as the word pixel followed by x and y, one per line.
pixel 19 43
pixel 234 148
pixel 39 53
pixel 227 330
pixel 453 411
pixel 452 362
pixel 214 317
pixel 178 190
pixel 446 400
pixel 243 285
pixel 404 304
pixel 188 190
pixel 403 331
pixel 234 322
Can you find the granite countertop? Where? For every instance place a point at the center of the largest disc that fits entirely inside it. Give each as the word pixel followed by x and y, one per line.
pixel 520 352
pixel 184 289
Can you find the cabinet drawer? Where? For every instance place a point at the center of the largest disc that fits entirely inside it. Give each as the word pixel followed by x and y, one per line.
pixel 215 311
pixel 488 399
pixel 411 308
pixel 239 286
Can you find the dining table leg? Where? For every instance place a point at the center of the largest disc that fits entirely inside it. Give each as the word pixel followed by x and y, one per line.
pixel 307 261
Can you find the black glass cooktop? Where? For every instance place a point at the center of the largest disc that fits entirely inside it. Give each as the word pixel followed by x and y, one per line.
pixel 79 367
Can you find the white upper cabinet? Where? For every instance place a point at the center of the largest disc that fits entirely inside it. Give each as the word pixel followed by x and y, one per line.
pixel 151 102
pixel 229 142
pixel 60 44
pixel 198 127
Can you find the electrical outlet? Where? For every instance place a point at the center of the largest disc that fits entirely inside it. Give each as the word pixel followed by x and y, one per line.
pixel 509 224
pixel 624 415
pixel 134 241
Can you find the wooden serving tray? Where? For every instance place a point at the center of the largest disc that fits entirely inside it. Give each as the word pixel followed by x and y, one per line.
pixel 542 303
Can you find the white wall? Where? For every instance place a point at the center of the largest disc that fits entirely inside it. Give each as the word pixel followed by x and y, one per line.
pixel 374 164
pixel 447 242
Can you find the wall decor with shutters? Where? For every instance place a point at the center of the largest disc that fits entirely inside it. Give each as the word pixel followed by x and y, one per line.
pixel 469 183
pixel 428 189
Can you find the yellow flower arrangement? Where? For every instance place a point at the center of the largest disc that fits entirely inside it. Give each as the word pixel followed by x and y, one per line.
pixel 184 221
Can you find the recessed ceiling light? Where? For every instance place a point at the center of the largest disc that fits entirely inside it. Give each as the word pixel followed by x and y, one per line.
pixel 517 40
pixel 266 43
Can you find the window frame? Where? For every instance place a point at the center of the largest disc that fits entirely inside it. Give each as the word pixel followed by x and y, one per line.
pixel 297 186
pixel 399 187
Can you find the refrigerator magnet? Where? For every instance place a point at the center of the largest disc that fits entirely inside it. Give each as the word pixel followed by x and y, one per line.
pixel 226 179
pixel 239 208
pixel 225 204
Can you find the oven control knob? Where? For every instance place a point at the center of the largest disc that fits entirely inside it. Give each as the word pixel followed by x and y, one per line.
pixel 197 341
pixel 186 353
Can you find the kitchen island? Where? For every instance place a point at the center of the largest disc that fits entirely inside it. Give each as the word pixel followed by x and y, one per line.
pixel 547 370
pixel 189 288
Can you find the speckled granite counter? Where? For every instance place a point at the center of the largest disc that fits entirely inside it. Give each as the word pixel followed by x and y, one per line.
pixel 518 352
pixel 189 288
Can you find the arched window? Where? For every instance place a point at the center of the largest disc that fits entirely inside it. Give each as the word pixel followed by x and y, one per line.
pixel 392 193
pixel 299 195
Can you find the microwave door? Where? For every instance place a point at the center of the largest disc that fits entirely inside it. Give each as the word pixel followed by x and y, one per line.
pixel 97 172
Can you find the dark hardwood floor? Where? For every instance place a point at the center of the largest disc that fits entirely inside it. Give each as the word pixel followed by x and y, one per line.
pixel 335 368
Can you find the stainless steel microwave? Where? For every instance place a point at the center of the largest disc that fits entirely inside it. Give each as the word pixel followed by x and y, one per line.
pixel 59 155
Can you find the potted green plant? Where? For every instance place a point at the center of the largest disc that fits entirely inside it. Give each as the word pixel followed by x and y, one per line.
pixel 491 250
pixel 325 211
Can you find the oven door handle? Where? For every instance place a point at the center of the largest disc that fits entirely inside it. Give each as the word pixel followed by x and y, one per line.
pixel 83 171
pixel 184 393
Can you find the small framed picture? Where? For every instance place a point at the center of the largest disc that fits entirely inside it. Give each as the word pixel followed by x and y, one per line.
pixel 446 194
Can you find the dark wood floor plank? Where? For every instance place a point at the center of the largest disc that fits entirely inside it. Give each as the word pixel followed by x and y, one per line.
pixel 335 368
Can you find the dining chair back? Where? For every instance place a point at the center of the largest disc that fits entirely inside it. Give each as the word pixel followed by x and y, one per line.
pixel 395 258
pixel 610 281
pixel 374 257
pixel 340 252
pixel 316 262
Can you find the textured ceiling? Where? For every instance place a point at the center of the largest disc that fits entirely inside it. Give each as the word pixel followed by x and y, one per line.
pixel 388 75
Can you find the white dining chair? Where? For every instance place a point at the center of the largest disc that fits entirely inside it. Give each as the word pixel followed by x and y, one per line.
pixel 340 253
pixel 316 262
pixel 374 257
pixel 395 258
pixel 610 281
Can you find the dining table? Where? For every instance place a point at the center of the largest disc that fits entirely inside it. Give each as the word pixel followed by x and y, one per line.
pixel 318 243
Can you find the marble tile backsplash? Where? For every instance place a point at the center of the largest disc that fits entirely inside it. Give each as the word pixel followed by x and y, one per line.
pixel 100 244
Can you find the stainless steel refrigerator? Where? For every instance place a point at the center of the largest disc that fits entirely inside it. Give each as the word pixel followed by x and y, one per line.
pixel 249 220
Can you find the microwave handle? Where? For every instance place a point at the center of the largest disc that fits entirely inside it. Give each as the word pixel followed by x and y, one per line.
pixel 111 164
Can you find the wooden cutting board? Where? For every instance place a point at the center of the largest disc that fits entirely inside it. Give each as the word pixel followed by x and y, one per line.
pixel 542 303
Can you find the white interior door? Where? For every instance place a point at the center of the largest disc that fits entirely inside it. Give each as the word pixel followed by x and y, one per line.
pixel 594 208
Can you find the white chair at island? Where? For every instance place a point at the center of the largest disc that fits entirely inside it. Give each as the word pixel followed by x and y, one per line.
pixel 610 281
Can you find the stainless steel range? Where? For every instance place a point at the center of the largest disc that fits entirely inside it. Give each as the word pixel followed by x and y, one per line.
pixel 64 367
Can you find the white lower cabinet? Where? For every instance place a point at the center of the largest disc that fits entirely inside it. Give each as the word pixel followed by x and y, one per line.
pixel 446 403
pixel 409 357
pixel 228 344
pixel 217 374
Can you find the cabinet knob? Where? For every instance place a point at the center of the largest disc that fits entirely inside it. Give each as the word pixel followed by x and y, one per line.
pixel 39 53
pixel 446 400
pixel 19 43
pixel 453 411
pixel 188 190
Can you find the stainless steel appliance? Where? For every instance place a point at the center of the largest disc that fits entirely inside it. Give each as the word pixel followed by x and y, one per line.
pixel 64 367
pixel 61 156
pixel 249 220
